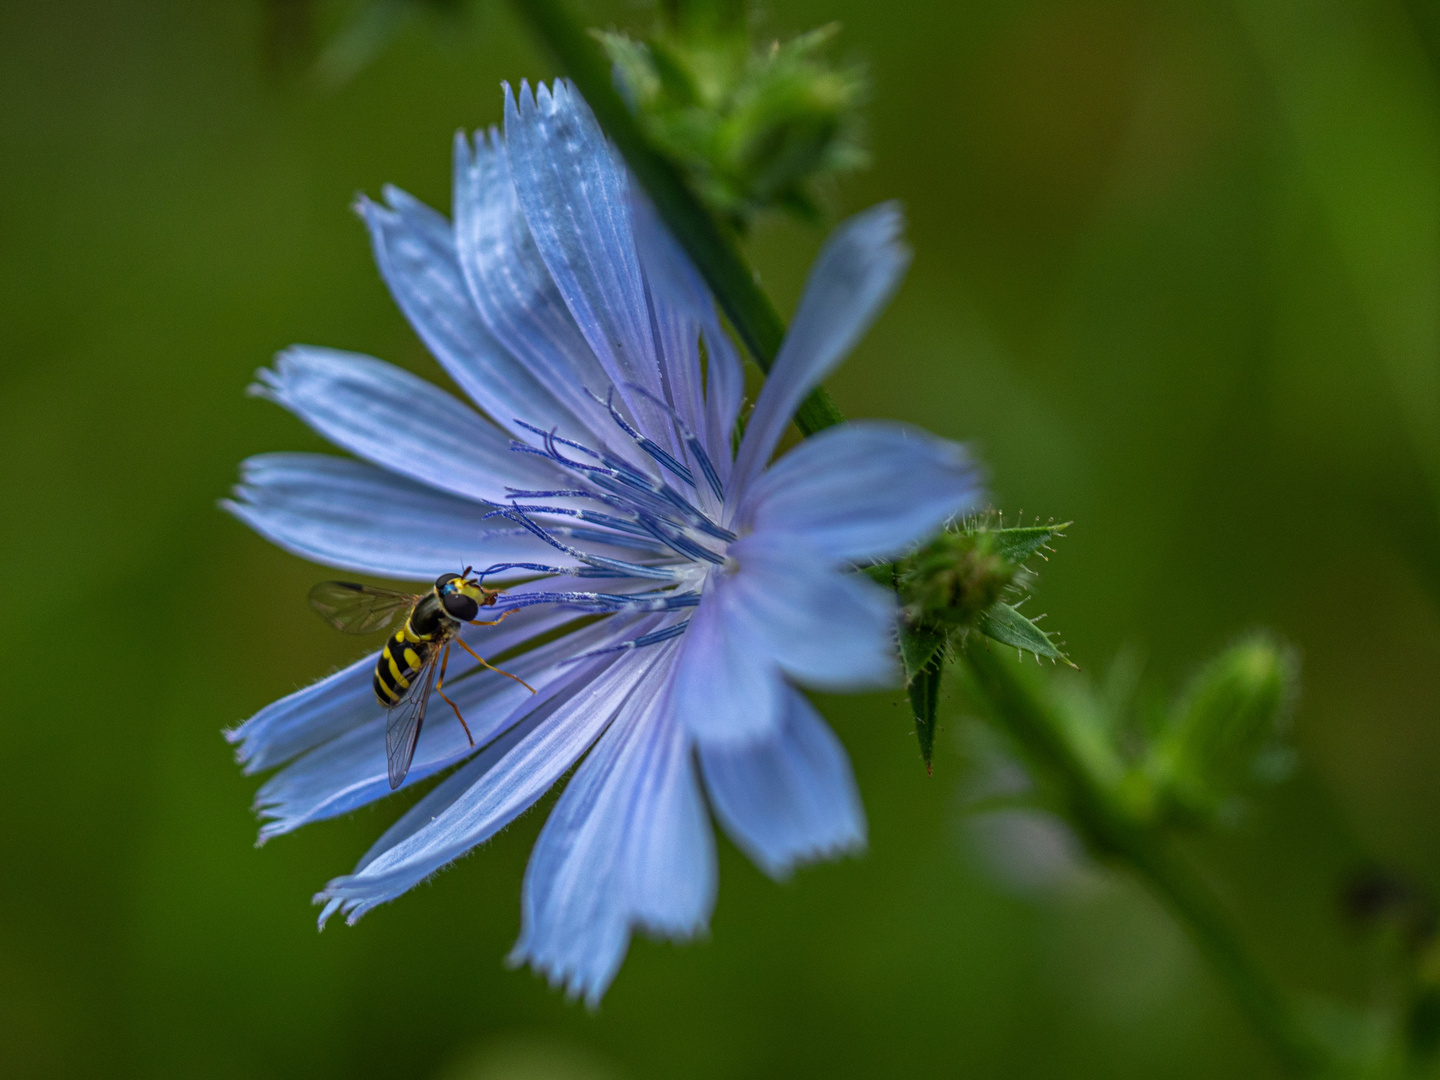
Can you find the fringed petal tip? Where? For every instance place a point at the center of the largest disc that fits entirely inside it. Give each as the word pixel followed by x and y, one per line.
pixel 264 386
pixel 351 908
pixel 589 978
pixel 385 214
pixel 881 228
pixel 791 800
pixel 270 829
pixel 369 211
pixel 574 982
pixel 783 869
pixel 331 906
pixel 469 144
pixel 240 739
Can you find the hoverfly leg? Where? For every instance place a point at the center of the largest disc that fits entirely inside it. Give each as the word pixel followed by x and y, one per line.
pixel 440 688
pixel 492 667
pixel 493 622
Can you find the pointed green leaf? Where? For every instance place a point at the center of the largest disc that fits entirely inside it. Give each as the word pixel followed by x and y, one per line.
pixel 881 574
pixel 1007 626
pixel 923 650
pixel 1020 543
pixel 919 646
pixel 924 690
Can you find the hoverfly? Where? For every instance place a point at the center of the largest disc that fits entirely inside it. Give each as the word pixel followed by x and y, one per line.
pixel 414 658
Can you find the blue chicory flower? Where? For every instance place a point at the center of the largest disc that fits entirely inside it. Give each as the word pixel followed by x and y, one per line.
pixel 606 484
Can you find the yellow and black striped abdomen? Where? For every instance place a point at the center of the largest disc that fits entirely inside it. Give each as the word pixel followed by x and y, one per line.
pixel 400 661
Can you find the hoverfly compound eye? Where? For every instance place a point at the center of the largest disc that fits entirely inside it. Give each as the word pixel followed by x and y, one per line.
pixel 459 606
pixel 445 579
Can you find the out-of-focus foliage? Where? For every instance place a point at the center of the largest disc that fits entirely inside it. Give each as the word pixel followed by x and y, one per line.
pixel 1223 736
pixel 1398 918
pixel 756 125
pixel 332 41
pixel 1185 762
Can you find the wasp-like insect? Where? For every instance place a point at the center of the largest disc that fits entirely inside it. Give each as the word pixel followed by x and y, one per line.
pixel 413 660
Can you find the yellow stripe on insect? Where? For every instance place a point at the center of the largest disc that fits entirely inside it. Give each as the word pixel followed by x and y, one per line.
pixel 413 649
pixel 407 634
pixel 396 672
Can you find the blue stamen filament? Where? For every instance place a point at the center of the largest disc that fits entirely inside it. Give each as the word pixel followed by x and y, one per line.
pixel 642 512
pixel 691 440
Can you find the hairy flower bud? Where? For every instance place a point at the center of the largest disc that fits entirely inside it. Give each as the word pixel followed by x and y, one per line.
pixel 954 579
pixel 956 583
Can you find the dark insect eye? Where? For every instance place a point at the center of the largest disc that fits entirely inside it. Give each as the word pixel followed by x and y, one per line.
pixel 445 579
pixel 459 606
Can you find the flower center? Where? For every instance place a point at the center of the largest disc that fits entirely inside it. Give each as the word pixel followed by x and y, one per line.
pixel 625 522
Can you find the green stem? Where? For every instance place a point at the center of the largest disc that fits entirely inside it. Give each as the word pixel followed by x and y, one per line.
pixel 711 249
pixel 1112 832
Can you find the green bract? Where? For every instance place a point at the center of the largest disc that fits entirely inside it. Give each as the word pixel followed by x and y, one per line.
pixel 957 583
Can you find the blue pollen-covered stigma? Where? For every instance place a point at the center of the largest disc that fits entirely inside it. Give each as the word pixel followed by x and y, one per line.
pixel 675 539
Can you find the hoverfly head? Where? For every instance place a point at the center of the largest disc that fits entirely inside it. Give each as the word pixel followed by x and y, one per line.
pixel 462 596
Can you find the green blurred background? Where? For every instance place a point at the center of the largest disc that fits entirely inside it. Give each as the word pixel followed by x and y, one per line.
pixel 1177 278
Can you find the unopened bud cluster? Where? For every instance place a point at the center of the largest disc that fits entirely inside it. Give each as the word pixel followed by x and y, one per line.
pixel 756 127
pixel 960 582
pixel 1145 766
pixel 954 579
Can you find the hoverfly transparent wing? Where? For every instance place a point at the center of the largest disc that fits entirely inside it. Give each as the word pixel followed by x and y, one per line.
pixel 402 725
pixel 358 609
